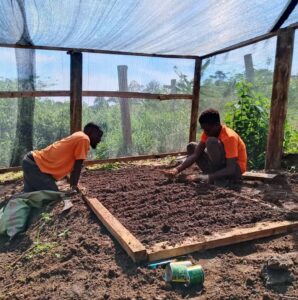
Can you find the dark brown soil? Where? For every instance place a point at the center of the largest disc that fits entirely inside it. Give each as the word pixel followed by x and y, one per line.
pixel 156 209
pixel 88 264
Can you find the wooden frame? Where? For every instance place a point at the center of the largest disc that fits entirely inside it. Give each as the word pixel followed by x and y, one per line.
pixel 110 160
pixel 279 100
pixel 127 95
pixel 139 253
pixel 195 101
pixel 76 83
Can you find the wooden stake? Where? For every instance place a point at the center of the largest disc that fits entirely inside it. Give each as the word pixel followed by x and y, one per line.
pixel 76 62
pixel 279 100
pixel 125 111
pixel 195 101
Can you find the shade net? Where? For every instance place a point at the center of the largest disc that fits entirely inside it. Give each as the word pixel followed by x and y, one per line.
pixel 32 123
pixel 164 27
pixel 239 85
pixel 145 126
pixel 144 74
pixel 291 127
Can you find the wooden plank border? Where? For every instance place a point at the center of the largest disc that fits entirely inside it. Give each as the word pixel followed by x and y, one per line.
pixel 234 236
pixel 133 247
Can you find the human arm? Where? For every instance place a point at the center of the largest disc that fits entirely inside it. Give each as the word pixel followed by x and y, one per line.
pixel 75 174
pixel 188 161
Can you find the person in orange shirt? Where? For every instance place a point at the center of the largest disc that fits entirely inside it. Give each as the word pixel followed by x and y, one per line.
pixel 220 154
pixel 42 168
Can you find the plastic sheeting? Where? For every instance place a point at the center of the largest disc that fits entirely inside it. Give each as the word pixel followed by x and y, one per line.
pixel 165 27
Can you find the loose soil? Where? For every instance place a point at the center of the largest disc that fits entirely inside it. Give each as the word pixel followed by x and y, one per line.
pixel 87 263
pixel 156 209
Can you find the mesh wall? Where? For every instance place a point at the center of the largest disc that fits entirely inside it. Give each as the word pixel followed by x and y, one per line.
pixel 221 73
pixel 291 129
pixel 37 122
pixel 8 122
pixel 239 85
pixel 156 127
pixel 51 69
pixel 145 74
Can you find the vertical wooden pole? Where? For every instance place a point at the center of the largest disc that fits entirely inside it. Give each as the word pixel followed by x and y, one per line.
pixel 279 100
pixel 76 63
pixel 195 101
pixel 125 111
pixel 249 68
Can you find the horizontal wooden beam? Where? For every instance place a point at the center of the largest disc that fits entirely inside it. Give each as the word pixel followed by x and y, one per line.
pixel 137 95
pixel 234 236
pixel 66 49
pixel 131 158
pixel 16 94
pixel 133 247
pixel 109 160
pixel 10 169
pixel 128 95
pixel 247 42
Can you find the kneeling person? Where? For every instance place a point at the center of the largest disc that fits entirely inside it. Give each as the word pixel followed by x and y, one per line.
pixel 220 154
pixel 42 168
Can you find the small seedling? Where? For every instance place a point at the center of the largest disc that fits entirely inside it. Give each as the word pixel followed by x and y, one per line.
pixel 41 249
pixel 65 234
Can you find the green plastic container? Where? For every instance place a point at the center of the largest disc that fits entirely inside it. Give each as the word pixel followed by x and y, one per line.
pixel 195 276
pixel 177 272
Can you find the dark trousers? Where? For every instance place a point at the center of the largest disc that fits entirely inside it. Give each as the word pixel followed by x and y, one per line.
pixel 34 179
pixel 214 157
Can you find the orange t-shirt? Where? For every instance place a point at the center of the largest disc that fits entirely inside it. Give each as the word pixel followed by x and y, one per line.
pixel 59 158
pixel 233 145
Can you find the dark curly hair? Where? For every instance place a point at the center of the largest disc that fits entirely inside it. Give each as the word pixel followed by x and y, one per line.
pixel 209 116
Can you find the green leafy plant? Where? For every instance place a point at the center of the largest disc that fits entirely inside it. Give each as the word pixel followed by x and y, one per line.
pixel 249 117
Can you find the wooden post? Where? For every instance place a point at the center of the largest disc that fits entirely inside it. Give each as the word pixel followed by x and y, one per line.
pixel 249 68
pixel 76 63
pixel 279 100
pixel 125 112
pixel 195 101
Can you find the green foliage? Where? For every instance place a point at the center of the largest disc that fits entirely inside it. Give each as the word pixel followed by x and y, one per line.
pixel 41 249
pixel 291 139
pixel 106 167
pixel 10 176
pixel 249 116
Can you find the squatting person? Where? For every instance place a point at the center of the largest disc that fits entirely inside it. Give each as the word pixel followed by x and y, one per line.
pixel 42 168
pixel 220 154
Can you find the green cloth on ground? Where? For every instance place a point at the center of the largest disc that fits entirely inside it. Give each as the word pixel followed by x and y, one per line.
pixel 14 216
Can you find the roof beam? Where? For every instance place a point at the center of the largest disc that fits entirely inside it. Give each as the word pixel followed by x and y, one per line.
pixel 98 51
pixel 284 14
pixel 247 42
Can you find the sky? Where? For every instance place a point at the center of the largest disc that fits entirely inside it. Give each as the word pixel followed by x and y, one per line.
pixel 100 70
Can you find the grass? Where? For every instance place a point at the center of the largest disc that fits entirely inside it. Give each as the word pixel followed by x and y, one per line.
pixel 10 176
pixel 105 167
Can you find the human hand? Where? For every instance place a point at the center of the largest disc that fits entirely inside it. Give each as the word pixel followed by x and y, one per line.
pixel 195 178
pixel 71 191
pixel 170 173
pixel 203 178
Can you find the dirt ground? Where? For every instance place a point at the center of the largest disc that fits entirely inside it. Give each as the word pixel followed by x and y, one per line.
pixel 84 261
pixel 156 209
